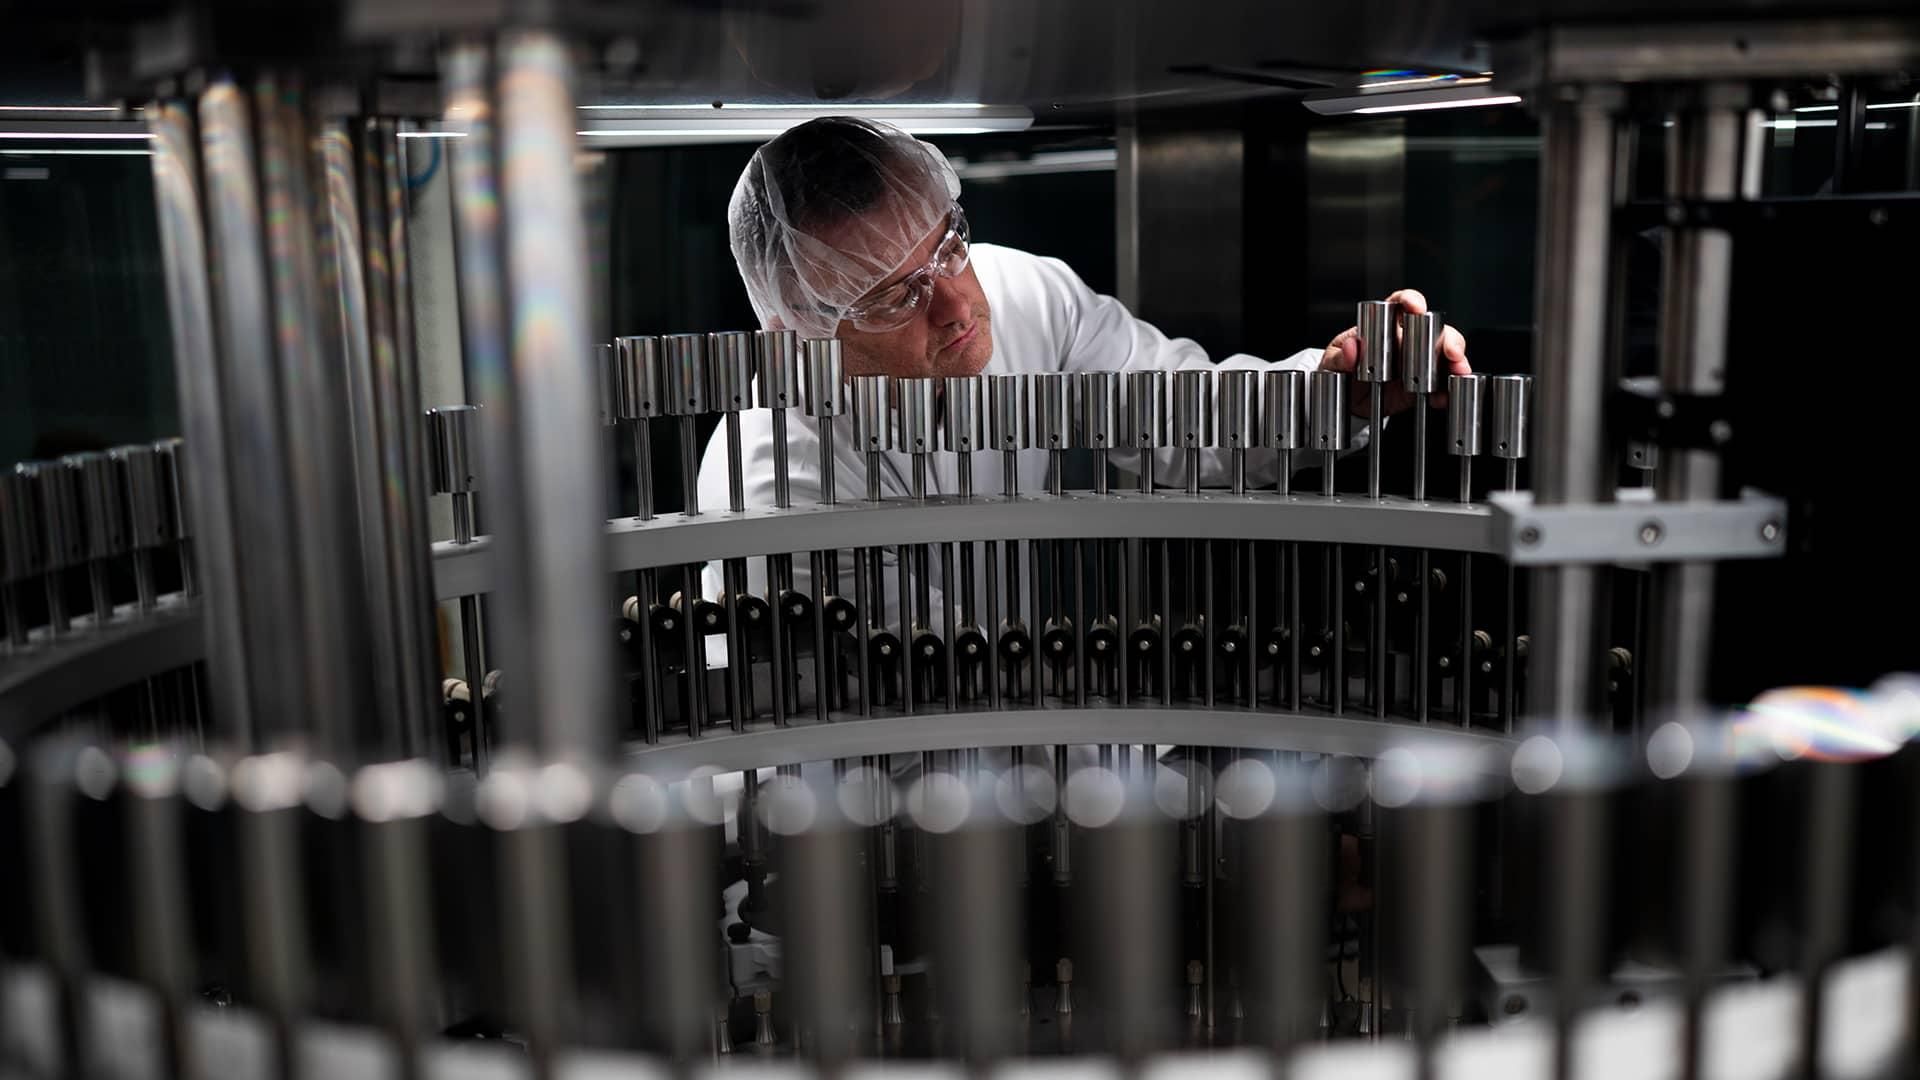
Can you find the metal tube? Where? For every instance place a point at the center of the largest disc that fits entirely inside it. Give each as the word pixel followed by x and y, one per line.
pixel 638 403
pixel 270 595
pixel 1193 406
pixel 178 200
pixel 1703 162
pixel 1577 160
pixel 549 534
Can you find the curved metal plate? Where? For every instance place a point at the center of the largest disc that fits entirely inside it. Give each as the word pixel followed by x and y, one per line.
pixel 56 676
pixel 1309 732
pixel 675 540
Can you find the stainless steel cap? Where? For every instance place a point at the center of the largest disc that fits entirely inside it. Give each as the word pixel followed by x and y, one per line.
pixel 916 430
pixel 19 537
pixel 56 495
pixel 1238 409
pixel 1374 319
pixel 963 426
pixel 137 474
pixel 103 511
pixel 729 370
pixel 776 369
pixel 1466 415
pixel 455 430
pixel 683 374
pixel 1283 409
pixel 1052 410
pixel 1146 425
pixel 1420 351
pixel 1009 425
pixel 1507 404
pixel 1327 410
pixel 176 511
pixel 606 375
pixel 638 396
pixel 826 384
pixel 872 412
pixel 1193 408
pixel 1099 409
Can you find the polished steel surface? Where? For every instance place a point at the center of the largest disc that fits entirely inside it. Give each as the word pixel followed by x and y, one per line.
pixel 673 540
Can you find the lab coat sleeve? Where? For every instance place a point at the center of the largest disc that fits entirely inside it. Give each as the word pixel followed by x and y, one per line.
pixel 1098 333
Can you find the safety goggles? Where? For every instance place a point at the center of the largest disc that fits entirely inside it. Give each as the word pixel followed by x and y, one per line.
pixel 896 305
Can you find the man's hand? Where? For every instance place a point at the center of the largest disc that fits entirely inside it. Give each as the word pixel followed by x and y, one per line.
pixel 1343 352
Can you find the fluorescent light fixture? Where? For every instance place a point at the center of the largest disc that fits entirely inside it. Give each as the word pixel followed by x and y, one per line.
pixel 1427 106
pixel 1791 124
pixel 97 152
pixel 431 135
pixel 1875 105
pixel 855 108
pixel 59 108
pixel 670 125
pixel 1041 164
pixel 89 135
pixel 1369 100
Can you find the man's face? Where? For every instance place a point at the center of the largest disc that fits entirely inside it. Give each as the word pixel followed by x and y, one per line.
pixel 952 334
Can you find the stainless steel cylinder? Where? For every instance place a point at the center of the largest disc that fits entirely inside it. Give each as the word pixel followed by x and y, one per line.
pixel 606 370
pixel 1009 424
pixel 872 412
pixel 776 369
pixel 916 429
pixel 683 374
pixel 638 394
pixel 1466 414
pixel 826 382
pixel 1420 365
pixel 174 516
pixel 20 556
pixel 1327 410
pixel 964 425
pixel 1193 408
pixel 1145 416
pixel 137 475
pixel 455 462
pixel 1374 319
pixel 1238 409
pixel 1283 409
pixel 1507 404
pixel 1052 411
pixel 729 370
pixel 1099 409
pixel 56 493
pixel 103 513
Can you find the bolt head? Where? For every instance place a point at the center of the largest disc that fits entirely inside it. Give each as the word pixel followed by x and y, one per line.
pixel 1650 533
pixel 1770 531
pixel 1530 535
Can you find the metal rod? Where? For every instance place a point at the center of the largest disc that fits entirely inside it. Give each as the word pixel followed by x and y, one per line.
pixel 782 491
pixel 1377 648
pixel 696 645
pixel 175 162
pixel 1374 390
pixel 822 646
pixel 863 639
pixel 1577 170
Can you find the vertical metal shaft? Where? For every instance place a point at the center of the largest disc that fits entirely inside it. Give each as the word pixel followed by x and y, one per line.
pixel 203 408
pixel 523 304
pixel 1703 162
pixel 1578 148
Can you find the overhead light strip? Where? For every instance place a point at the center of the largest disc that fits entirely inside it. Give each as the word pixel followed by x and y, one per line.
pixel 1428 106
pixel 87 135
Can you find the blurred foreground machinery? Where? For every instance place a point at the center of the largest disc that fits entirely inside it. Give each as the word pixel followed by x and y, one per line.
pixel 1208 759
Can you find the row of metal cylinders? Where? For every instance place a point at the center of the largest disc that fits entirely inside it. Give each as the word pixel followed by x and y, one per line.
pixel 88 510
pixel 685 375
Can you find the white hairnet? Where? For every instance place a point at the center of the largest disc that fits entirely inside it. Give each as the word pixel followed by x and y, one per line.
pixel 827 211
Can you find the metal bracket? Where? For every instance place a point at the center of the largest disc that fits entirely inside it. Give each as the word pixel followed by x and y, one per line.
pixel 1638 529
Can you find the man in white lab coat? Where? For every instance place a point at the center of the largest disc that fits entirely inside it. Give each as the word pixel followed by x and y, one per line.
pixel 852 229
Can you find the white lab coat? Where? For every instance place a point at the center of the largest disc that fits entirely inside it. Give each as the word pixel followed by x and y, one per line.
pixel 1044 319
